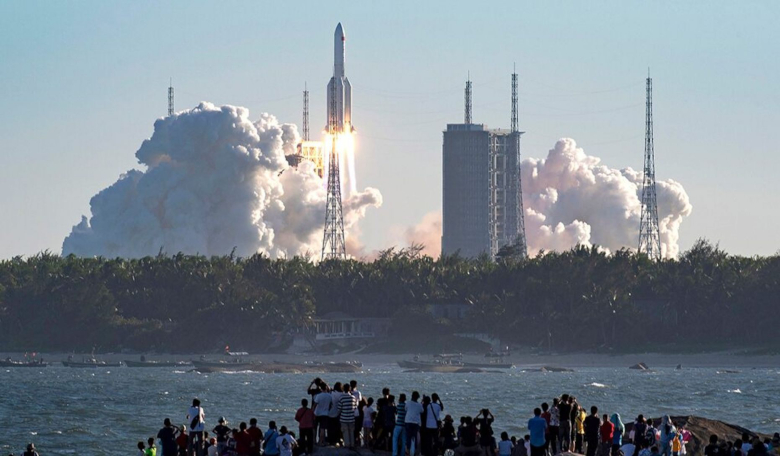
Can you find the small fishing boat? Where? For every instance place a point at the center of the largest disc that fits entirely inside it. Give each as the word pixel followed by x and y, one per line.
pixel 145 363
pixel 216 366
pixel 8 362
pixel 88 363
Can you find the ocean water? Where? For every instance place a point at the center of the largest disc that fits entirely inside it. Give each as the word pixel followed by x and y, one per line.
pixel 106 411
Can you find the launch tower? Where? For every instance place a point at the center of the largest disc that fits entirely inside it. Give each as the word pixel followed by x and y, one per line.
pixel 339 123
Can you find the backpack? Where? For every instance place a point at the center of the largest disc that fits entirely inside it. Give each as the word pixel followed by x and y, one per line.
pixel 650 435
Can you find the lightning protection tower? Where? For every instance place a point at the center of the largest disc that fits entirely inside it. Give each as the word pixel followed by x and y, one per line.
pixel 467 113
pixel 649 237
pixel 333 244
pixel 305 113
pixel 521 242
pixel 170 98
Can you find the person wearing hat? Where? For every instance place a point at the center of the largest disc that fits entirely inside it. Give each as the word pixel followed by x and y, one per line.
pixel 221 431
pixel 448 434
pixel 31 450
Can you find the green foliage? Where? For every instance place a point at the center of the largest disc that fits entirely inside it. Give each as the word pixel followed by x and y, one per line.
pixel 573 300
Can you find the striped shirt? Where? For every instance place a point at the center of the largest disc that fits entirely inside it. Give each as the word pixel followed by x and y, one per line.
pixel 400 417
pixel 347 406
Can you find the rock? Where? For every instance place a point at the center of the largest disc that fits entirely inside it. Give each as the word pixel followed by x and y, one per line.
pixel 640 366
pixel 701 429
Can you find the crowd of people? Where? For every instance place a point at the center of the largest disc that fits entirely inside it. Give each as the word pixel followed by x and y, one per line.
pixel 417 425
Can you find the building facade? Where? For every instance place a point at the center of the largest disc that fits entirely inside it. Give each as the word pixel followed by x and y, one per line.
pixel 480 189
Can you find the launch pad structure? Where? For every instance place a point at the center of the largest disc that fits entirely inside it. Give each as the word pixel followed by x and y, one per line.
pixel 482 207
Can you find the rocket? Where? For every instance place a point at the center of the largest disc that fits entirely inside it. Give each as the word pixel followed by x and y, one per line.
pixel 339 89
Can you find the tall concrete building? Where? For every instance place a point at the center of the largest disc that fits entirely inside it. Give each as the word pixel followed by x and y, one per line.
pixel 481 199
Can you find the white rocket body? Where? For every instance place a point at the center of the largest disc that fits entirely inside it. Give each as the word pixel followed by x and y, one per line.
pixel 339 89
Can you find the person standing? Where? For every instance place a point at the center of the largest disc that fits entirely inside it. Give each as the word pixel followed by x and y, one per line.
pixel 243 440
pixel 668 434
pixel 546 415
pixel 353 388
pixel 433 423
pixel 334 425
pixel 305 418
pixel 197 420
pixel 323 401
pixel 592 427
pixel 538 428
pixel 285 442
pixel 555 426
pixel 414 411
pixel 347 407
pixel 167 436
pixel 617 435
pixel 368 422
pixel 399 431
pixel 270 440
pixel 222 432
pixel 256 437
pixel 579 424
pixel 606 431
pixel 564 414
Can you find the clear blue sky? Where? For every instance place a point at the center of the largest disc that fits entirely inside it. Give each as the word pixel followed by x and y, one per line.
pixel 81 83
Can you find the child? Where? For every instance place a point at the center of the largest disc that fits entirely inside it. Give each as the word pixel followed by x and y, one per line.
pixel 212 448
pixel 141 448
pixel 505 445
pixel 368 422
pixel 151 450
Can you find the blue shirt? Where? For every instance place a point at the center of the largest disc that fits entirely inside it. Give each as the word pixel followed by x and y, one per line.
pixel 537 427
pixel 270 438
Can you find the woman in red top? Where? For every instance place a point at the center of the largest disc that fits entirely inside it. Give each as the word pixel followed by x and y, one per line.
pixel 305 418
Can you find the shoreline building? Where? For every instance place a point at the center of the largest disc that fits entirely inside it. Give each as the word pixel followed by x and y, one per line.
pixel 482 198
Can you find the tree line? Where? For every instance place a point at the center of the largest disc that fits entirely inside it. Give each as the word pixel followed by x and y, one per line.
pixel 581 299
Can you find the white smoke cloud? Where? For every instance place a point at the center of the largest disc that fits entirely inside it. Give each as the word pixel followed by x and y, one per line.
pixel 215 181
pixel 570 198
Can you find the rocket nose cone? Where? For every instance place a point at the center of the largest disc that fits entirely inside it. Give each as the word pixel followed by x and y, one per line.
pixel 339 30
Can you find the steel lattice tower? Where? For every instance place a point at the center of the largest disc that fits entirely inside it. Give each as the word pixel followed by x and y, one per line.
pixel 467 114
pixel 305 113
pixel 521 242
pixel 333 243
pixel 170 98
pixel 649 237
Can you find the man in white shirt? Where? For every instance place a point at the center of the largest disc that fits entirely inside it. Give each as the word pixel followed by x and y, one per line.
pixel 412 423
pixel 334 425
pixel 322 405
pixel 197 421
pixel 432 420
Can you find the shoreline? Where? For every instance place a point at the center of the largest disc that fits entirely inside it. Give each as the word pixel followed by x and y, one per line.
pixel 722 360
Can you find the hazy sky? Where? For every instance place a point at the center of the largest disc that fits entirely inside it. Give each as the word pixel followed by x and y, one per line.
pixel 81 84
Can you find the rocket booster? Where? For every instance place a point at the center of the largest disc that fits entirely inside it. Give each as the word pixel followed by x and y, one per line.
pixel 339 89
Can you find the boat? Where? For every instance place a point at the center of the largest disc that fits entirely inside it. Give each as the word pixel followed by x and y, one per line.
pixel 452 360
pixel 145 363
pixel 8 362
pixel 89 363
pixel 214 366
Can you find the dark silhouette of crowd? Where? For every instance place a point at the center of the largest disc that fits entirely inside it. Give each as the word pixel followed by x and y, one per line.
pixel 417 425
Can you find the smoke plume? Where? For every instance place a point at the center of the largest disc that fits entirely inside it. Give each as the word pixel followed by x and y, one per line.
pixel 571 198
pixel 215 181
